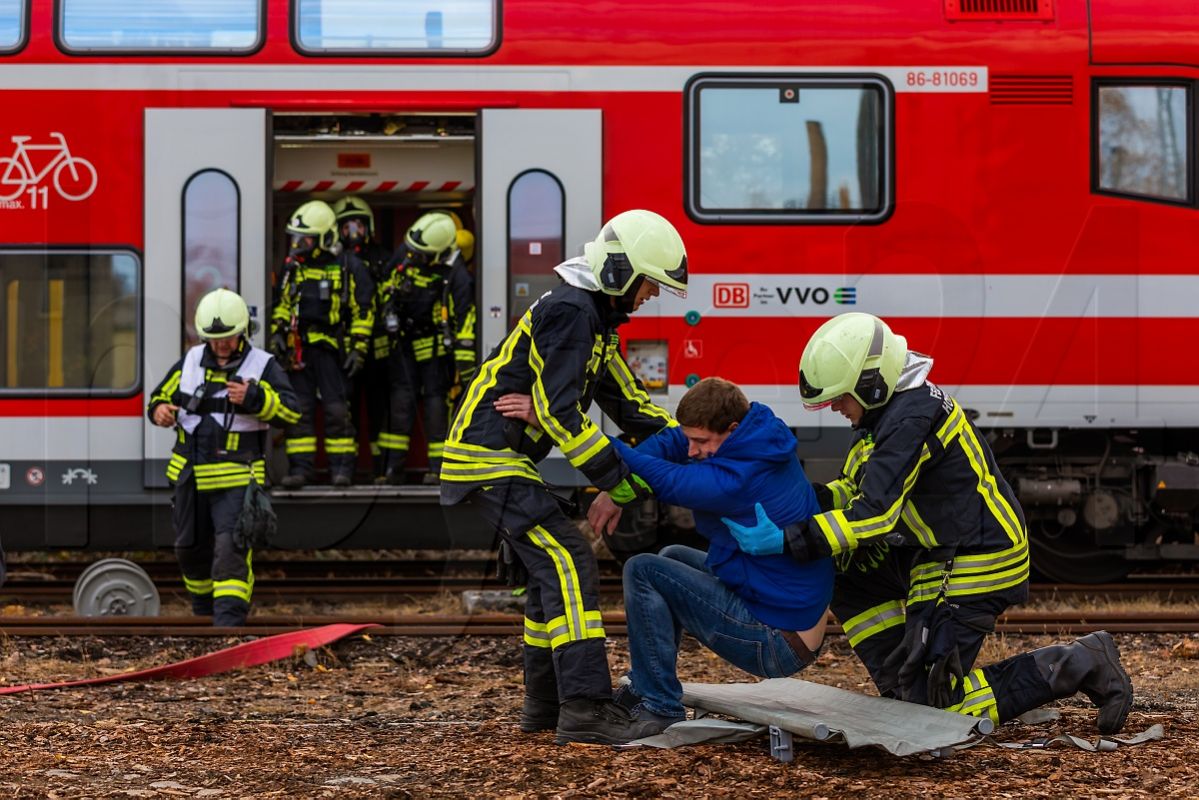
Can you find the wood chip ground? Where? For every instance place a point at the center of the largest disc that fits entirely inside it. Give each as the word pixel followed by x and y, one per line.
pixel 393 717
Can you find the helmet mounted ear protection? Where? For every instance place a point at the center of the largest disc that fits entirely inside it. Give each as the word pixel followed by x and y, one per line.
pixel 638 244
pixel 871 388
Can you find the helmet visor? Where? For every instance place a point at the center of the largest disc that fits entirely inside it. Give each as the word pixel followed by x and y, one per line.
pixel 302 242
pixel 676 292
pixel 811 394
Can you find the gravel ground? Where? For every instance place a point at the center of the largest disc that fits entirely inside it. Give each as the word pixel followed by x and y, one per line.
pixel 417 717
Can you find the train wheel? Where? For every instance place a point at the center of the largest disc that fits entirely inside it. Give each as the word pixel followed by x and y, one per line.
pixel 1066 560
pixel 115 587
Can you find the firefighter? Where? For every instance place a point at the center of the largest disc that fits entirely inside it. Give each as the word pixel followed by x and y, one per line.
pixel 321 329
pixel 565 353
pixel 356 229
pixel 930 539
pixel 428 308
pixel 221 397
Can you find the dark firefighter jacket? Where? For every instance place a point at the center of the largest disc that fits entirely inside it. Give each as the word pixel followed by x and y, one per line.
pixel 919 475
pixel 226 447
pixel 434 306
pixel 328 299
pixel 565 352
pixel 375 258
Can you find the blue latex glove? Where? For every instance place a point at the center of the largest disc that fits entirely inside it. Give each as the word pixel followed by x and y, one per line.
pixel 764 538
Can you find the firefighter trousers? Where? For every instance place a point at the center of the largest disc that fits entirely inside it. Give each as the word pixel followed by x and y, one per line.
pixel 414 383
pixel 321 380
pixel 925 652
pixel 564 634
pixel 376 385
pixel 219 577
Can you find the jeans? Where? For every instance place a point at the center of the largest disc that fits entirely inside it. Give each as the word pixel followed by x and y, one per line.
pixel 672 592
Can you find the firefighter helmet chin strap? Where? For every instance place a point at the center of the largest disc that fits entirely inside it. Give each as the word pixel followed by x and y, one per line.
pixel 626 303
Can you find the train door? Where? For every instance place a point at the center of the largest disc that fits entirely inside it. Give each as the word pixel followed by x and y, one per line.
pixel 206 223
pixel 541 176
pixel 542 195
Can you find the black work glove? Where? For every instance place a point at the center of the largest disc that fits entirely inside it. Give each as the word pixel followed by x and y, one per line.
pixel 508 566
pixel 278 345
pixel 864 557
pixel 824 496
pixel 354 363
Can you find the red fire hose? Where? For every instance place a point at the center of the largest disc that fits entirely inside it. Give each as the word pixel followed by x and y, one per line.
pixel 247 654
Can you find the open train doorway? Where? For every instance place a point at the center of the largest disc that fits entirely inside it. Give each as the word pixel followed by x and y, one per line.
pixel 401 166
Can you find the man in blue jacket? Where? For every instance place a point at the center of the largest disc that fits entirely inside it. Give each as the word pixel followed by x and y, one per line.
pixel 763 613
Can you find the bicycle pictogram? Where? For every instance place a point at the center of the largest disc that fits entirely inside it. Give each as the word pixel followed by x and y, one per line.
pixel 74 177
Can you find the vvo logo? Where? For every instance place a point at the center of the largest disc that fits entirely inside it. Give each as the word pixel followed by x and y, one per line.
pixel 816 295
pixel 730 295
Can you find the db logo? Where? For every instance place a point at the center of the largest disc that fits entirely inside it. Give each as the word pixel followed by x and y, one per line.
pixel 730 295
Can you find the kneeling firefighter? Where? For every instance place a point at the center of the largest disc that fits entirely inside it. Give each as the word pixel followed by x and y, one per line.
pixel 221 397
pixel 929 537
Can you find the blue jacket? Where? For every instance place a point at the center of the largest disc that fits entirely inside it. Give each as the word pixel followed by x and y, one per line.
pixel 757 463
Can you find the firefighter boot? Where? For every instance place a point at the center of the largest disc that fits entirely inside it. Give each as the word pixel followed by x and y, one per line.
pixel 229 612
pixel 202 605
pixel 1090 665
pixel 539 711
pixel 603 722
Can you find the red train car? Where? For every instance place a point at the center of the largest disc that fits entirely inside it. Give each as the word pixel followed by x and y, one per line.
pixel 1011 184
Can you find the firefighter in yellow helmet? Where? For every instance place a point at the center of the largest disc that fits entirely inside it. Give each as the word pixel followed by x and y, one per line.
pixel 428 310
pixel 565 353
pixel 221 397
pixel 321 327
pixel 930 539
pixel 358 235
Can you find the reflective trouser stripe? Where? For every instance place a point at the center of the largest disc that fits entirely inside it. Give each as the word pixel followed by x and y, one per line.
pixel 978 699
pixel 568 580
pixel 232 587
pixel 393 441
pixel 873 621
pixel 558 629
pixel 340 445
pixel 436 449
pixel 200 587
pixel 301 444
pixel 536 634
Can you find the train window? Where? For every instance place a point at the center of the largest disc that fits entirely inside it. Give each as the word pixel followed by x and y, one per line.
pixel 211 241
pixel 375 27
pixel 71 322
pixel 210 26
pixel 12 25
pixel 788 148
pixel 536 236
pixel 1143 138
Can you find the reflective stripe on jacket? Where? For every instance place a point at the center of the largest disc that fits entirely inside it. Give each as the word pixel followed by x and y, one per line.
pixel 565 353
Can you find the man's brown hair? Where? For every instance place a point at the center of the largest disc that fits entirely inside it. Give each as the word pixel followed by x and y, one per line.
pixel 713 404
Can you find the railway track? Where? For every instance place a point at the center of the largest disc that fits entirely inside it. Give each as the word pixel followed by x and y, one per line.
pixel 365 588
pixel 511 624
